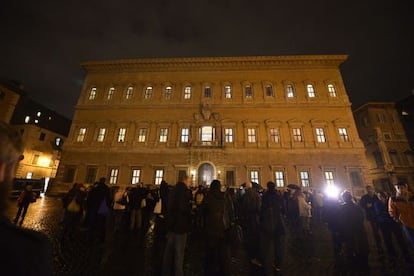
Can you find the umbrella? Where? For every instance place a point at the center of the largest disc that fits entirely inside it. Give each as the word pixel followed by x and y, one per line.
pixel 293 186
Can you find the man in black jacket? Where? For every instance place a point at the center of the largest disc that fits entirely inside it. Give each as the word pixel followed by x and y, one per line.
pixel 178 225
pixel 24 252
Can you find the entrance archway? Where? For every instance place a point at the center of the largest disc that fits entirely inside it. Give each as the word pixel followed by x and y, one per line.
pixel 205 174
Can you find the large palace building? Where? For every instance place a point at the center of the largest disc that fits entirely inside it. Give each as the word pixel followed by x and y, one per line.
pixel 282 118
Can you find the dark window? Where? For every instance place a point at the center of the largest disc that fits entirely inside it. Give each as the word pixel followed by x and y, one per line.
pixel 356 179
pixel 69 174
pixel 91 175
pixel 378 159
pixel 42 136
pixel 207 92
pixel 181 174
pixel 229 178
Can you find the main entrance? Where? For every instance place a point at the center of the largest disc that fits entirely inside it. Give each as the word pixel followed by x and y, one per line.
pixel 205 174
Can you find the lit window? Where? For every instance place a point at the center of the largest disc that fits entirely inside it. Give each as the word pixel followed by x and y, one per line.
pixel 58 141
pixel 207 92
pixel 113 175
pixel 39 114
pixel 163 135
pixel 159 174
pixel 187 92
pixel 228 134
pixel 135 176
pixel 404 113
pixel 311 91
pixel 168 92
pixel 129 93
pixel 36 121
pixel 29 175
pixel 304 179
pixel 121 135
pixel 329 178
pixel 142 135
pixel 254 176
pixel 274 135
pixel 111 92
pixel 251 135
pixel 331 90
pixel 92 93
pixel 248 91
pixel 227 92
pixel 27 119
pixel 297 134
pixel 185 133
pixel 207 134
pixel 320 135
pixel 280 179
pixel 81 135
pixel 148 92
pixel 101 135
pixel 343 133
pixel 290 92
pixel 269 90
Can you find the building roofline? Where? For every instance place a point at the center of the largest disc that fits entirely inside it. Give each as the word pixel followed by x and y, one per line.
pixel 373 104
pixel 213 63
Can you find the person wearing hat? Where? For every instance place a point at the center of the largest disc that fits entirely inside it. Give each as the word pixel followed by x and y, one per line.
pixel 401 209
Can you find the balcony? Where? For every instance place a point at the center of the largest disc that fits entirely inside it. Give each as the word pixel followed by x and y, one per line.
pixel 205 144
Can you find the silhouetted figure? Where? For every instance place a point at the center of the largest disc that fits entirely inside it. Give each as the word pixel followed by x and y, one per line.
pixel 26 197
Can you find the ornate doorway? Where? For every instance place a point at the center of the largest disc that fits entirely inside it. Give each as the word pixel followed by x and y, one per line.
pixel 205 174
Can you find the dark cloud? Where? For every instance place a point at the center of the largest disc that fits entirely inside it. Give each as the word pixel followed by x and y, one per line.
pixel 43 42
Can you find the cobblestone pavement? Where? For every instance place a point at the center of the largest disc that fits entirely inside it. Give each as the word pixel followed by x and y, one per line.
pixel 139 253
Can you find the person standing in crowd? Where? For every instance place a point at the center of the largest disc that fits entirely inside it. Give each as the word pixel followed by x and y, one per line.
pixel 318 206
pixel 305 214
pixel 272 229
pixel 120 202
pixel 178 225
pixel 401 209
pixel 135 221
pixel 101 204
pixel 73 203
pixel 217 222
pixel 355 237
pixel 198 200
pixel 249 212
pixel 390 228
pixel 24 251
pixel 367 203
pixel 26 197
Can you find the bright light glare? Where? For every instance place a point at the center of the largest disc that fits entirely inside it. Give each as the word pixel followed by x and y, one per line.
pixel 332 191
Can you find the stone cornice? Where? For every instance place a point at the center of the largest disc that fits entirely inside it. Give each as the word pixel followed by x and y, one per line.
pixel 214 63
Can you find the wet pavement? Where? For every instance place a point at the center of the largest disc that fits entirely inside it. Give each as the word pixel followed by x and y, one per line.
pixel 140 253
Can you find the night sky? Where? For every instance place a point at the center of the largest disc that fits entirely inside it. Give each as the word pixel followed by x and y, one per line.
pixel 43 42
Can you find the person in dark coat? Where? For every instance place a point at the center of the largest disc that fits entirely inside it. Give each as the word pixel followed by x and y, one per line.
pixel 217 221
pixel 272 229
pixel 71 217
pixel 178 225
pixel 24 251
pixel 355 236
pixel 26 197
pixel 101 199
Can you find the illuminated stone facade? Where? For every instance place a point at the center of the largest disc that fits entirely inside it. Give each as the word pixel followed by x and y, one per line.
pixel 388 150
pixel 281 118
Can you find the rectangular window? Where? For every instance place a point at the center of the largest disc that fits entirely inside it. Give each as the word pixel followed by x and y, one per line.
pixel 29 175
pixel 148 92
pixel 280 179
pixel 101 135
pixel 113 175
pixel 395 159
pixel 254 176
pixel 142 135
pixel 129 93
pixel 42 136
pixel 320 135
pixel 227 92
pixel 230 178
pixel 274 135
pixel 69 175
pixel 304 179
pixel 251 135
pixel 168 92
pixel 92 94
pixel 207 92
pixel 163 135
pixel 297 134
pixel 207 134
pixel 356 179
pixel 81 135
pixel 269 91
pixel 185 133
pixel 135 176
pixel 311 91
pixel 228 135
pixel 187 92
pixel 121 135
pixel 343 133
pixel 111 92
pixel 91 175
pixel 248 91
pixel 290 92
pixel 35 159
pixel 378 159
pixel 159 174
pixel 331 90
pixel 329 178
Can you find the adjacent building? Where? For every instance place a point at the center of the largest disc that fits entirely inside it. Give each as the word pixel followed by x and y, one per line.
pixel 381 126
pixel 10 93
pixel 287 119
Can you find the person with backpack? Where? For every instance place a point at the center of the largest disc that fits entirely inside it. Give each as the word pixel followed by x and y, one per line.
pixel 26 197
pixel 272 229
